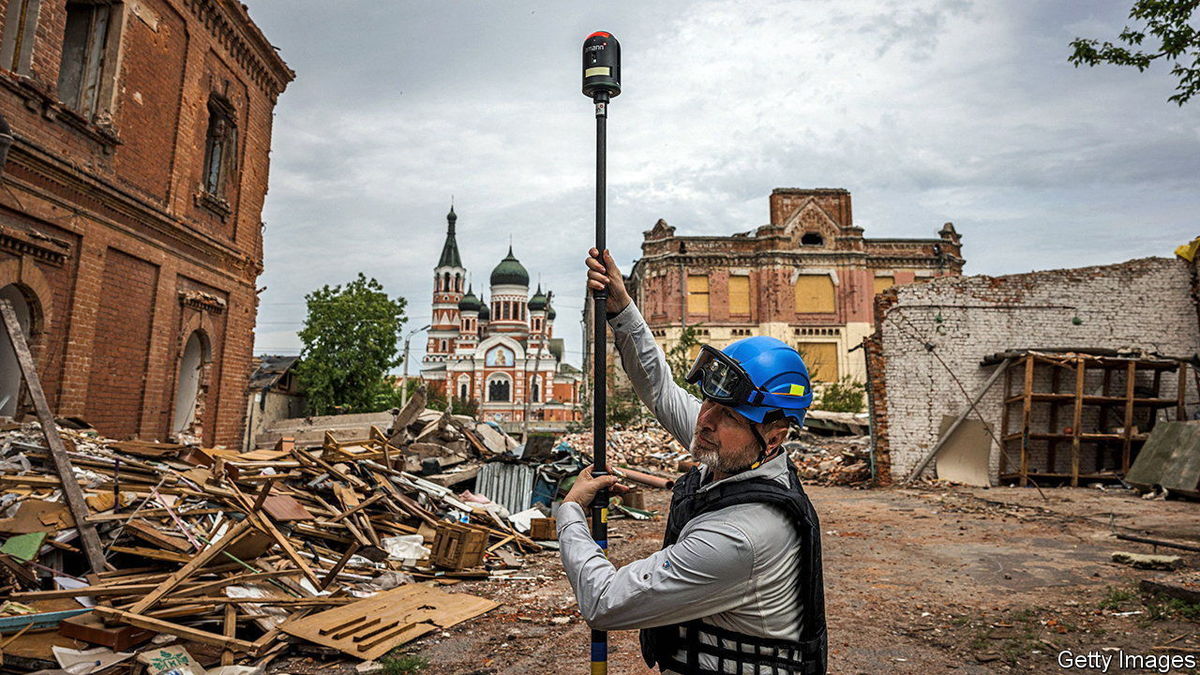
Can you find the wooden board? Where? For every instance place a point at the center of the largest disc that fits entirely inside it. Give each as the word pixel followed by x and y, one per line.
pixel 285 508
pixel 965 452
pixel 370 628
pixel 58 450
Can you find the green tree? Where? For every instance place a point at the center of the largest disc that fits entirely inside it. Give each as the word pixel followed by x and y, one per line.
pixel 391 393
pixel 1170 24
pixel 845 395
pixel 350 343
pixel 681 355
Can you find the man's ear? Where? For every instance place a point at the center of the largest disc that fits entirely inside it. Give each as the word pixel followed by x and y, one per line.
pixel 777 433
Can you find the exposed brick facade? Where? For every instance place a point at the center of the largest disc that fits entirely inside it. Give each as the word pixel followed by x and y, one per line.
pixel 808 277
pixel 930 335
pixel 107 228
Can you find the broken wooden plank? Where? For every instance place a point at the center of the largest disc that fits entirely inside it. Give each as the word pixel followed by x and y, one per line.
pixel 178 630
pixel 58 450
pixel 198 561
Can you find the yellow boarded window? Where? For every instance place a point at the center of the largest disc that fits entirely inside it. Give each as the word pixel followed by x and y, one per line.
pixel 815 294
pixel 883 283
pixel 739 295
pixel 821 359
pixel 697 294
pixel 693 352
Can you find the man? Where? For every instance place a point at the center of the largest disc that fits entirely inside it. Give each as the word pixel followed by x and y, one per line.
pixel 737 585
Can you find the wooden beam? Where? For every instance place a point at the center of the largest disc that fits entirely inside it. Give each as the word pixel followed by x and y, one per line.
pixel 230 631
pixel 1180 393
pixel 58 451
pixel 959 420
pixel 200 560
pixel 1026 414
pixel 337 569
pixel 1127 430
pixel 186 632
pixel 1077 420
pixel 358 507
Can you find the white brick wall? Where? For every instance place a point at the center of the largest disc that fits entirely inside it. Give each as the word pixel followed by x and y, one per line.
pixel 1143 304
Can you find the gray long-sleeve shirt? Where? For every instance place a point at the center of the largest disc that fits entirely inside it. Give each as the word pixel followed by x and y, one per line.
pixel 734 568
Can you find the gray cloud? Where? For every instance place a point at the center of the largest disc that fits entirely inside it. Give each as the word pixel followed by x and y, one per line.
pixel 927 111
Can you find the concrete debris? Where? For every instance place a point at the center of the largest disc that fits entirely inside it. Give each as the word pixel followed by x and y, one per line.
pixel 1147 561
pixel 834 460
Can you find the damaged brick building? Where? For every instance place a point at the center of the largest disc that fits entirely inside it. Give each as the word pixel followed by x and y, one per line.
pixel 1092 359
pixel 808 277
pixel 130 208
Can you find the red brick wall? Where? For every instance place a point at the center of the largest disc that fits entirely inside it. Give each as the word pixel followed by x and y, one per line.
pixel 152 76
pixel 120 190
pixel 123 322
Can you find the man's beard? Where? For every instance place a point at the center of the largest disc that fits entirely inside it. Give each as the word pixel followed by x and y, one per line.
pixel 711 457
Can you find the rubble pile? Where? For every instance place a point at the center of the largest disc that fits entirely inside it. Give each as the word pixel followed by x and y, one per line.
pixel 240 555
pixel 830 457
pixel 333 540
pixel 640 444
pixel 831 460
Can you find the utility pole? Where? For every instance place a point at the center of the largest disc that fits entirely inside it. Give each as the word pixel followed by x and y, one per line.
pixel 404 379
pixel 537 364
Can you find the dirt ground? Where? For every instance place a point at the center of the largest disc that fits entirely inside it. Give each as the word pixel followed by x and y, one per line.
pixel 917 580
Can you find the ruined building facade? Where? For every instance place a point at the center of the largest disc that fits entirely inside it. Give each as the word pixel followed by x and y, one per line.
pixel 130 208
pixel 501 352
pixel 808 277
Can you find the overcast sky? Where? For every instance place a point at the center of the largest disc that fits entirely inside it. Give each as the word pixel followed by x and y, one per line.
pixel 927 111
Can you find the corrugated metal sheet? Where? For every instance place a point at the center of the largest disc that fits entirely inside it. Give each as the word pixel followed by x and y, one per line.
pixel 510 485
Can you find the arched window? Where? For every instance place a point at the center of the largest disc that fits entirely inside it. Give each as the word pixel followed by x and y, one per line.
pixel 535 390
pixel 443 345
pixel 464 387
pixel 498 389
pixel 188 387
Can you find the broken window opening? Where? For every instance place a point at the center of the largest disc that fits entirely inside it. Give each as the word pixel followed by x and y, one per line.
pixel 190 387
pixel 534 391
pixel 20 26
pixel 220 146
pixel 85 43
pixel 812 239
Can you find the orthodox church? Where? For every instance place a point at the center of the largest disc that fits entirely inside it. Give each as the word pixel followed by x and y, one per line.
pixel 500 350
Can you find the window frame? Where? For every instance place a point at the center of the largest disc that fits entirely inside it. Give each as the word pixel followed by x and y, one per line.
pixel 100 63
pixel 20 32
pixel 218 188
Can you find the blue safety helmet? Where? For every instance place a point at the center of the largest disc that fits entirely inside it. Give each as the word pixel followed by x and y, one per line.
pixel 760 377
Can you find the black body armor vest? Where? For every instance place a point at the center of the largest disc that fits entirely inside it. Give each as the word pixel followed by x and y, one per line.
pixel 809 654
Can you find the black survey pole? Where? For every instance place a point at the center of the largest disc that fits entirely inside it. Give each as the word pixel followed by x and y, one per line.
pixel 601 82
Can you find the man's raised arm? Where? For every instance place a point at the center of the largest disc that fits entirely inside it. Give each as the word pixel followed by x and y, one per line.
pixel 641 357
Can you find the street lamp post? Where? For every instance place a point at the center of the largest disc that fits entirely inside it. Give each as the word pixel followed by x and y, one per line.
pixel 404 379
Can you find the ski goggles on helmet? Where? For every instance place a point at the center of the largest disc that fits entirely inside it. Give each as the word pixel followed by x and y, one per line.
pixel 723 380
